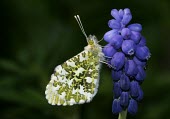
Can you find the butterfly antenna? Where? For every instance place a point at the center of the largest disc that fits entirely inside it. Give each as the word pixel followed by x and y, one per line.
pixel 80 25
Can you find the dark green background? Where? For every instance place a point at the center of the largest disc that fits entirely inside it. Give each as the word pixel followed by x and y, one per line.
pixel 37 35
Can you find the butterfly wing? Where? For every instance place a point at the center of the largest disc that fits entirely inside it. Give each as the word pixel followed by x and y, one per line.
pixel 75 81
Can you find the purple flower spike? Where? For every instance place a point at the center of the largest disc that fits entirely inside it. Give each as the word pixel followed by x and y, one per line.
pixel 124 99
pixel 116 41
pixel 116 108
pixel 129 55
pixel 114 24
pixel 139 62
pixel 135 27
pixel 109 51
pixel 133 107
pixel 142 52
pixel 109 35
pixel 116 75
pixel 142 41
pixel 115 14
pixel 124 82
pixel 135 36
pixel 134 89
pixel 117 90
pixel 128 47
pixel 118 60
pixel 141 74
pixel 130 68
pixel 127 16
pixel 126 33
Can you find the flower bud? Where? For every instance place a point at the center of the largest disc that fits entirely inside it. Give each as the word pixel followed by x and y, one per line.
pixel 135 36
pixel 124 99
pixel 140 96
pixel 135 27
pixel 139 62
pixel 115 14
pixel 134 89
pixel 130 68
pixel 118 60
pixel 142 41
pixel 124 82
pixel 114 24
pixel 126 33
pixel 141 74
pixel 128 47
pixel 127 16
pixel 121 13
pixel 133 107
pixel 108 50
pixel 142 52
pixel 116 41
pixel 117 90
pixel 109 35
pixel 116 108
pixel 116 75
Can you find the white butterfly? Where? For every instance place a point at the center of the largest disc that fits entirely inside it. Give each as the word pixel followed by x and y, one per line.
pixel 76 80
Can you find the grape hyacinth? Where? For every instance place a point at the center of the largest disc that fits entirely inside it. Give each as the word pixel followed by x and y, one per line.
pixel 127 53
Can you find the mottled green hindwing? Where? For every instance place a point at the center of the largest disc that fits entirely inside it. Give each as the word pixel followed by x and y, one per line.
pixel 75 81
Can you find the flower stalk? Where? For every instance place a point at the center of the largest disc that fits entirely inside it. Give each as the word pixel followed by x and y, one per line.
pixel 123 114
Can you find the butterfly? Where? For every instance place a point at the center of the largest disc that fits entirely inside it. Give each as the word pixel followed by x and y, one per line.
pixel 76 81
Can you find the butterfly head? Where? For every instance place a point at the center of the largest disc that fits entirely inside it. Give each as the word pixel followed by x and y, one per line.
pixel 92 40
pixel 93 45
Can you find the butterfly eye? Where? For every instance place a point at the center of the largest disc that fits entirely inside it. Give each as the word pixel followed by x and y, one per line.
pixel 90 42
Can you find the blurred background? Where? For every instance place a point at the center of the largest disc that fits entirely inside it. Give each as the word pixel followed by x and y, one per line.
pixel 37 35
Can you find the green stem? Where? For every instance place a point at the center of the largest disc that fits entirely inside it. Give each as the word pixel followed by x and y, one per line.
pixel 122 115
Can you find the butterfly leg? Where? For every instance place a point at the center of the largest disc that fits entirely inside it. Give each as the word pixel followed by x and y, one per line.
pixel 104 62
